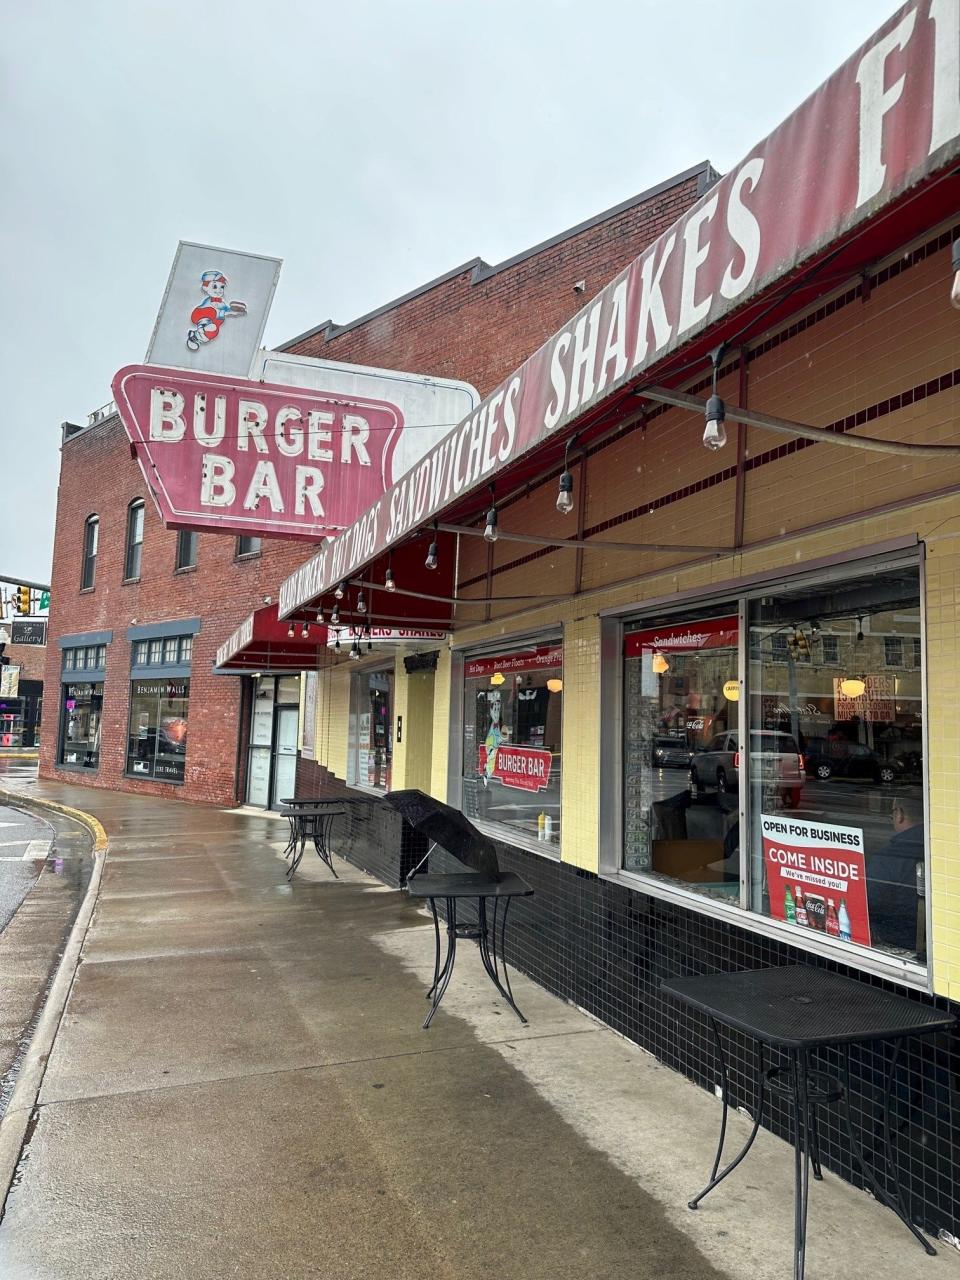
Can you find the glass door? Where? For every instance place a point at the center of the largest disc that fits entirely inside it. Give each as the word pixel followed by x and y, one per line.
pixel 285 765
pixel 261 744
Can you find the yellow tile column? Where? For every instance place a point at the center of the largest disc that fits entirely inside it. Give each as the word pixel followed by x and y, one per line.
pixel 580 784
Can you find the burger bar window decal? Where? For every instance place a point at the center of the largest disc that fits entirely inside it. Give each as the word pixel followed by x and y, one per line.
pixel 213 309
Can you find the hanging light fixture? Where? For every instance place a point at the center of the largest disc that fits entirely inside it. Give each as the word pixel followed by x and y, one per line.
pixel 361 602
pixel 565 496
pixel 853 686
pixel 859 628
pixel 715 433
pixel 338 591
pixel 490 532
pixel 291 631
pixel 659 663
pixel 305 630
pixel 555 685
pixel 335 615
pixel 388 581
pixel 320 614
pixel 336 643
pixel 497 678
pixel 355 648
pixel 433 554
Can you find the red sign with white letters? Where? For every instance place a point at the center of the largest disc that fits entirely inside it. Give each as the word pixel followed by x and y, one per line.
pixel 817 876
pixel 887 119
pixel 523 768
pixel 252 457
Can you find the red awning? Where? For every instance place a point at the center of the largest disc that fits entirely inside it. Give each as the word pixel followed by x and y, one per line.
pixel 264 643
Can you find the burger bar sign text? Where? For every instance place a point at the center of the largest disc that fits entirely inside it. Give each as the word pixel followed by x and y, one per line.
pixel 892 113
pixel 234 454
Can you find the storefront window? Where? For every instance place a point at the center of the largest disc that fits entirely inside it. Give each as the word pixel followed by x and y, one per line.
pixel 80 725
pixel 821 749
pixel 371 729
pixel 157 742
pixel 681 749
pixel 843 853
pixel 512 721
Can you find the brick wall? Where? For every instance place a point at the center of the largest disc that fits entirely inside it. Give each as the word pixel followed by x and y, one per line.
pixel 476 324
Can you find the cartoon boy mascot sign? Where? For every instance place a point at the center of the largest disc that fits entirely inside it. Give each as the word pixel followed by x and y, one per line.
pixel 206 319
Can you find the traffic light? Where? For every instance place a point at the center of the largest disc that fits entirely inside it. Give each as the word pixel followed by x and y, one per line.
pixel 23 599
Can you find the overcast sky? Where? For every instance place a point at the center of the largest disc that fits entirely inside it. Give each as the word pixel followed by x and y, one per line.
pixel 371 144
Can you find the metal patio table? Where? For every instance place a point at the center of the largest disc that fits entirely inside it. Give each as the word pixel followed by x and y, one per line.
pixel 310 820
pixel 451 888
pixel 798 1009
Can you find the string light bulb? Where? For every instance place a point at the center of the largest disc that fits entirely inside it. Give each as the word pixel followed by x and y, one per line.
pixel 490 532
pixel 291 631
pixel 335 615
pixel 338 591
pixel 565 496
pixel 433 554
pixel 305 630
pixel 388 580
pixel 715 433
pixel 361 603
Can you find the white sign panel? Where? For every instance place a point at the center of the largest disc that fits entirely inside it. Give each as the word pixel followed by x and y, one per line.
pixel 214 310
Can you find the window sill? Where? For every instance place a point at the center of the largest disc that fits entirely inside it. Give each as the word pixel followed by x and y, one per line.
pixel 907 973
pixel 248 555
pixel 529 844
pixel 185 568
pixel 148 777
pixel 78 768
pixel 129 582
pixel 86 591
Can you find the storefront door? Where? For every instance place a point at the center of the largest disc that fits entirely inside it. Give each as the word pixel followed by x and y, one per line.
pixel 274 728
pixel 285 761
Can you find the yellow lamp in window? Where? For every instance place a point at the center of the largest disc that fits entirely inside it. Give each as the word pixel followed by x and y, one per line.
pixel 659 664
pixel 555 685
pixel 731 690
pixel 497 678
pixel 852 686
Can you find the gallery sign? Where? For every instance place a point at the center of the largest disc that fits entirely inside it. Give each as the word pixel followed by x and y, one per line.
pixel 29 631
pixel 891 113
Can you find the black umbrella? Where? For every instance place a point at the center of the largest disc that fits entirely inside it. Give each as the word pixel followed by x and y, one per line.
pixel 447 827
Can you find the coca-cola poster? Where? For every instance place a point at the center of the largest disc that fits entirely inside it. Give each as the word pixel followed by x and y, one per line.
pixel 816 876
pixel 523 768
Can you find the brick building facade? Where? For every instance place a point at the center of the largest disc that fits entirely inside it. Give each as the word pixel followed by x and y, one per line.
pixel 473 323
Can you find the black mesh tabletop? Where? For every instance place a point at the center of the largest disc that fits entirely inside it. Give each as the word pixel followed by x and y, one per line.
pixel 797 1007
pixel 468 885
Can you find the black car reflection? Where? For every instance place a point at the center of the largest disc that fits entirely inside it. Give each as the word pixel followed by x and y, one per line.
pixel 670 753
pixel 829 758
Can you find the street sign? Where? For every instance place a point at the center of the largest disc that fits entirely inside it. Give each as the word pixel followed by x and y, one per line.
pixel 32 632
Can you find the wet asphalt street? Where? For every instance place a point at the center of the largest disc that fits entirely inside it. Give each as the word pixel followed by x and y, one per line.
pixel 24 844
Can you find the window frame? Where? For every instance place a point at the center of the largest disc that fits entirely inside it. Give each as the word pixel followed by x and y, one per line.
pixel 740 594
pixel 88 566
pixel 133 546
pixel 65 686
pixel 251 553
pixel 353 743
pixel 460 656
pixel 186 539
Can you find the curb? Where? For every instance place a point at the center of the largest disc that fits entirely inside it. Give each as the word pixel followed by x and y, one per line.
pixel 20 1111
pixel 15 798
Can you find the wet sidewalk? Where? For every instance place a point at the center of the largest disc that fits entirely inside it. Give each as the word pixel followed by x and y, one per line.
pixel 240 1087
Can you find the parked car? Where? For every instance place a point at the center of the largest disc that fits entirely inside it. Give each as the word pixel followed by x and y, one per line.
pixel 670 753
pixel 838 758
pixel 774 757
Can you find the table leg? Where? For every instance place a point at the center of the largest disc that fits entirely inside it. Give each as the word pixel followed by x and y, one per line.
pixel 489 957
pixel 300 844
pixel 801 1159
pixel 443 977
pixel 715 1176
pixel 324 825
pixel 291 842
pixel 897 1204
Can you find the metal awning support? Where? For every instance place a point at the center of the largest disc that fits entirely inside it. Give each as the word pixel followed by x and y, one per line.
pixel 751 418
